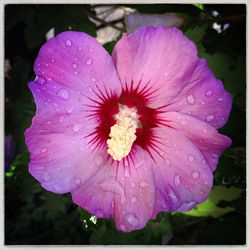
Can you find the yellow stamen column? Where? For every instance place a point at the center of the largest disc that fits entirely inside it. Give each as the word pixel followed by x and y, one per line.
pixel 123 133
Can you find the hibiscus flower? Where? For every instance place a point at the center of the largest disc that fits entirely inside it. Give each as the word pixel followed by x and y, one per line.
pixel 129 135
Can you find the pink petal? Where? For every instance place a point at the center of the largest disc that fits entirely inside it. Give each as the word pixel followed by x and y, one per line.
pixel 125 192
pixel 61 157
pixel 204 98
pixel 204 136
pixel 182 176
pixel 159 59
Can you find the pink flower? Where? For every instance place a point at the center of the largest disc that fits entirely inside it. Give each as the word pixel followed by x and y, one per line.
pixel 129 135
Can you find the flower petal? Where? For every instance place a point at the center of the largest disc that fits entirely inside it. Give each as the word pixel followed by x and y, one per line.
pixel 63 98
pixel 204 98
pixel 182 175
pixel 158 59
pixel 204 136
pixel 77 61
pixel 124 191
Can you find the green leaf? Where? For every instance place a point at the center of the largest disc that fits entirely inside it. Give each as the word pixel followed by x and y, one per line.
pixel 210 208
pixel 200 6
pixel 196 34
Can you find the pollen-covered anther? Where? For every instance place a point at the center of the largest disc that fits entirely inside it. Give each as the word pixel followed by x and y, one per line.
pixel 123 133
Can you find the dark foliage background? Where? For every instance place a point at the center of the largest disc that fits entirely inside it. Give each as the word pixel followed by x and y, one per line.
pixel 35 216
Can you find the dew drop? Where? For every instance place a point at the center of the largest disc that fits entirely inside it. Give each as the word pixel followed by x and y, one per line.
pixel 191 158
pixel 69 110
pixel 68 43
pixel 191 99
pixel 177 180
pixel 220 99
pixel 47 65
pixel 202 103
pixel 215 156
pixel 46 176
pixel 63 93
pixel 88 61
pixel 75 58
pixel 79 48
pixel 132 184
pixel 52 60
pixel 91 50
pixel 76 127
pixel 93 79
pixel 40 80
pixel 209 92
pixel 76 72
pixel 123 227
pixel 195 174
pixel 209 118
pixel 173 197
pixel 77 181
pixel 44 150
pixel 131 219
pixel 74 65
pixel 133 199
pixel 143 184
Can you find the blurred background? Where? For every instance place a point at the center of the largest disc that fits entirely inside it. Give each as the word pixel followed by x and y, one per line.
pixel 35 216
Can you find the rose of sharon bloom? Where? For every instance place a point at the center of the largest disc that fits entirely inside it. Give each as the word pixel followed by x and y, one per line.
pixel 129 135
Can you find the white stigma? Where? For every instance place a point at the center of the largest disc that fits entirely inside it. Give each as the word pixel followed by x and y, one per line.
pixel 122 134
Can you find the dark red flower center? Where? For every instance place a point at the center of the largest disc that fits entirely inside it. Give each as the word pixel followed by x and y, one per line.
pixel 108 107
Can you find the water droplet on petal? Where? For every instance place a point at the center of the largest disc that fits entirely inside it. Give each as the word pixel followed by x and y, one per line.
pixel 76 127
pixel 79 48
pixel 46 176
pixel 63 93
pixel 44 150
pixel 220 99
pixel 123 227
pixel 93 79
pixel 75 58
pixel 131 219
pixel 177 180
pixel 132 184
pixel 173 197
pixel 52 60
pixel 143 184
pixel 68 43
pixel 191 99
pixel 195 174
pixel 133 199
pixel 88 61
pixel 76 72
pixel 209 118
pixel 209 92
pixel 40 80
pixel 77 181
pixel 74 65
pixel 191 158
pixel 69 109
pixel 215 156
pixel 91 50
